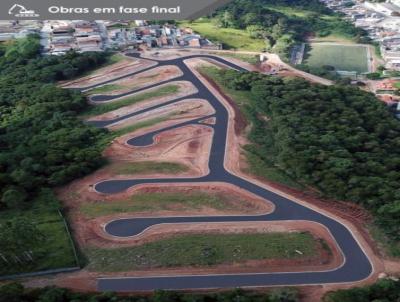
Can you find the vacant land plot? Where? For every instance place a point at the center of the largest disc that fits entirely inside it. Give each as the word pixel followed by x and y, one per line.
pixel 342 57
pixel 252 59
pixel 137 81
pixel 106 88
pixel 175 200
pixel 143 124
pixel 186 109
pixel 231 38
pixel 204 250
pixel 130 100
pixel 148 167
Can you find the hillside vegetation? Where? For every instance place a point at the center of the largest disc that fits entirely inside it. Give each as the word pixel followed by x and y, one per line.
pixel 274 25
pixel 338 139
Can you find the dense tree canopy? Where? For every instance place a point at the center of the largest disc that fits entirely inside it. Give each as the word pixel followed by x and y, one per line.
pixel 338 139
pixel 42 143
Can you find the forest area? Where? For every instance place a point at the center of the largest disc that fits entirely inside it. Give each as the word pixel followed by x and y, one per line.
pixel 43 144
pixel 337 139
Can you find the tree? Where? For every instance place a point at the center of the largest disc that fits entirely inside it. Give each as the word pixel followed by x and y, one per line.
pixel 18 236
pixel 374 76
pixel 12 292
pixel 284 295
pixel 256 31
pixel 14 198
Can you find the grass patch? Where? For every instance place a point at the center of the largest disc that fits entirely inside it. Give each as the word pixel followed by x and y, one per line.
pixel 140 125
pixel 392 92
pixel 345 58
pixel 115 58
pixel 397 85
pixel 153 201
pixel 252 59
pixel 105 88
pixel 126 101
pixel 203 250
pixel 111 59
pixel 230 38
pixel 149 167
pixel 55 250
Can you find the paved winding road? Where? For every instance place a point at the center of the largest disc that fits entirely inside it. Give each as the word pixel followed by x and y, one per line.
pixel 355 267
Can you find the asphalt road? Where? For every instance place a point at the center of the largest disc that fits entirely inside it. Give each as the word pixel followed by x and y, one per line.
pixel 356 266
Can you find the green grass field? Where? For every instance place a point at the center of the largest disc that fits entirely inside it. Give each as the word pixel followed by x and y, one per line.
pixel 153 201
pixel 140 125
pixel 105 88
pixel 54 251
pixel 229 37
pixel 148 167
pixel 130 100
pixel 203 250
pixel 345 58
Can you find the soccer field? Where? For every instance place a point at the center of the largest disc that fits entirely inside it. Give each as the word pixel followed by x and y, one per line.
pixel 342 57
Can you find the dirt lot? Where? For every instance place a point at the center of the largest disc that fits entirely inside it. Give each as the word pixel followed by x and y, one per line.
pixel 126 66
pixel 144 79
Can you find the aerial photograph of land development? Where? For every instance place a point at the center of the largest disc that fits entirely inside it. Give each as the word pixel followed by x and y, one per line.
pixel 249 153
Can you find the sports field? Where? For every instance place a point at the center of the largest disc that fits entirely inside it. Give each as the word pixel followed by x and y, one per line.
pixel 342 57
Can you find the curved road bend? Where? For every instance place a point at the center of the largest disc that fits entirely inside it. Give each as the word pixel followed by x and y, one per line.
pixel 356 266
